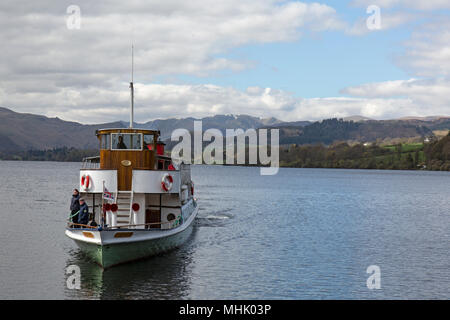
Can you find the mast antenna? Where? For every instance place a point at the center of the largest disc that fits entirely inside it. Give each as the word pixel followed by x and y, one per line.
pixel 132 87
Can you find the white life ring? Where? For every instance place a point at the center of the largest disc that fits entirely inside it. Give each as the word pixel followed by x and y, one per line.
pixel 167 182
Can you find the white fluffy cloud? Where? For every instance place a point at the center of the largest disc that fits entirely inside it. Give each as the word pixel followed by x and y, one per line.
pixel 396 13
pixel 409 4
pixel 425 96
pixel 47 68
pixel 380 101
pixel 171 37
pixel 389 20
pixel 427 52
pixel 426 57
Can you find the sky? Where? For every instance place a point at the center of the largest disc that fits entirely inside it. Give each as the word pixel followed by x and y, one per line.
pixel 292 60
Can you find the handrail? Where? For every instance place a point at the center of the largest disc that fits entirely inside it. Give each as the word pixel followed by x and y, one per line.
pixel 176 222
pixel 83 225
pixel 128 225
pixel 144 224
pixel 131 213
pixel 92 159
pixel 91 163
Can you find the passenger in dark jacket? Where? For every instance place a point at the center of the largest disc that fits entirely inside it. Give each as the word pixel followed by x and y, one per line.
pixel 83 216
pixel 75 205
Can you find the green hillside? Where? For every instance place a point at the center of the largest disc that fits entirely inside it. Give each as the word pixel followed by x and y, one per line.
pixel 331 130
pixel 432 156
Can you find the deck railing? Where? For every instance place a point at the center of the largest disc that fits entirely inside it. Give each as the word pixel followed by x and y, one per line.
pixel 171 225
pixel 91 163
pixel 178 221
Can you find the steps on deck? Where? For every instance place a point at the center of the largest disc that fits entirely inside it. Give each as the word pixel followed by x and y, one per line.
pixel 123 202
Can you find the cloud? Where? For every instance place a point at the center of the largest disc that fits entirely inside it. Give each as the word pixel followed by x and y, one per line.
pixel 50 69
pixel 396 13
pixel 381 101
pixel 427 52
pixel 174 37
pixel 408 4
pixel 425 56
pixel 425 96
pixel 389 20
pixel 82 75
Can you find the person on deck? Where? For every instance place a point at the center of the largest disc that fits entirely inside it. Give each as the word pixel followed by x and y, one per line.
pixel 83 216
pixel 75 205
pixel 121 144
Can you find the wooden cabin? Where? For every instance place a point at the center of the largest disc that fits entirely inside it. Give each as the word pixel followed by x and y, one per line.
pixel 128 149
pixel 131 166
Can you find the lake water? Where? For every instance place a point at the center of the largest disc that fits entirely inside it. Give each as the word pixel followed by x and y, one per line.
pixel 301 234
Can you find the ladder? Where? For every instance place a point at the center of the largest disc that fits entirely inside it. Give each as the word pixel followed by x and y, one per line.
pixel 124 201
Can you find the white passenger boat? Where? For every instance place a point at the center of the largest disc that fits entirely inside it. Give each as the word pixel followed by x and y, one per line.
pixel 140 203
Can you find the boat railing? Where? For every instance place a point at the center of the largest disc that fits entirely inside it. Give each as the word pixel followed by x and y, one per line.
pixel 91 163
pixel 80 226
pixel 170 225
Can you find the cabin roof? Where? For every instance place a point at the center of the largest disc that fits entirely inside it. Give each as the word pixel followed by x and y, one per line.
pixel 126 130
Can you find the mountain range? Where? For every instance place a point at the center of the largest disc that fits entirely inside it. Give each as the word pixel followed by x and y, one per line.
pixel 25 131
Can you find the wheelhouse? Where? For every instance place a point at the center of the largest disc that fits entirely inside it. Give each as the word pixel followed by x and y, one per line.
pixel 133 168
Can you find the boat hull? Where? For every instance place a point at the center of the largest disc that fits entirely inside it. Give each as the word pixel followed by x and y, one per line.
pixel 112 247
pixel 114 254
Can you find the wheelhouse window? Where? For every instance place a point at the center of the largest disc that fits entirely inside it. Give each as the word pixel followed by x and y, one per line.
pixel 148 141
pixel 105 143
pixel 126 141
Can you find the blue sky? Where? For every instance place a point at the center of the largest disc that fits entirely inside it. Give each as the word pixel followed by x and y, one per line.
pixel 316 65
pixel 319 64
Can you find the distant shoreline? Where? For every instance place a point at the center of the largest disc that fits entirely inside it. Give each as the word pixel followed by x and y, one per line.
pixel 256 166
pixel 431 156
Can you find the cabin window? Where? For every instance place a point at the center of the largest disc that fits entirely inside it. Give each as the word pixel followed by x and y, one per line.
pixel 126 141
pixel 105 141
pixel 148 141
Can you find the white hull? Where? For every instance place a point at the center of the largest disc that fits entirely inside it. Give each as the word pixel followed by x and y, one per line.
pixel 116 246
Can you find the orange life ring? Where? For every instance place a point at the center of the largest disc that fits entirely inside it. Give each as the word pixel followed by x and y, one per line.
pixel 85 181
pixel 167 182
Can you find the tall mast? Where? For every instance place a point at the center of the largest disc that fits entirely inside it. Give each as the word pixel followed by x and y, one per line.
pixel 132 87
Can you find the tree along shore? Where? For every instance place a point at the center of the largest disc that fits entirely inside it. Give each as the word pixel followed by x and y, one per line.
pixel 434 155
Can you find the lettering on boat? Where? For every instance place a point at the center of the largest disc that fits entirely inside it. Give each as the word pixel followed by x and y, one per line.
pixel 88 234
pixel 123 234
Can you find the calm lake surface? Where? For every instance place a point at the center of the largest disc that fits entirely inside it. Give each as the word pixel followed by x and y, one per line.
pixel 301 234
